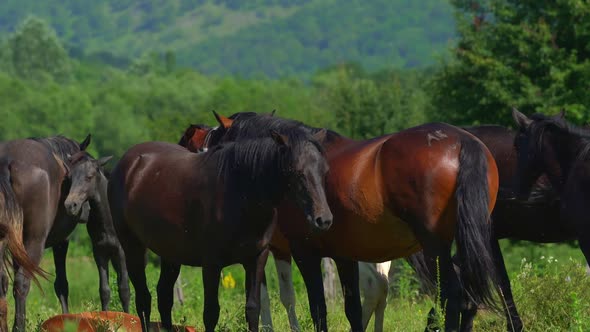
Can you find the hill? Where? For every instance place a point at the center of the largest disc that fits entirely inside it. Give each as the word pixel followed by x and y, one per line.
pixel 262 37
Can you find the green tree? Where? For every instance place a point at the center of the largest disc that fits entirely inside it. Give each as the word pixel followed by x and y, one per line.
pixel 366 105
pixel 35 52
pixel 529 54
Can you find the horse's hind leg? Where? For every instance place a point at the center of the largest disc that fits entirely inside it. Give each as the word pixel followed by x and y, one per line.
pixel 60 285
pixel 514 323
pixel 265 315
pixel 439 260
pixel 287 292
pixel 22 284
pixel 168 275
pixel 348 271
pixel 136 259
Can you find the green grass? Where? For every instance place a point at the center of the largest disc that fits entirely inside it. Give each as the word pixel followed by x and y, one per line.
pixel 552 293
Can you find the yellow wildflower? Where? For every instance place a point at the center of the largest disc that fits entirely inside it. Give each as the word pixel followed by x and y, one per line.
pixel 228 281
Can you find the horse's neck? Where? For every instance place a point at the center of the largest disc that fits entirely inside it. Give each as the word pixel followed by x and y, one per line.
pixel 100 215
pixel 573 149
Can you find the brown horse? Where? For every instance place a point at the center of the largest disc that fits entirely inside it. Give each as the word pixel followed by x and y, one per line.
pixel 392 196
pixel 33 173
pixel 550 146
pixel 195 139
pixel 213 209
pixel 535 219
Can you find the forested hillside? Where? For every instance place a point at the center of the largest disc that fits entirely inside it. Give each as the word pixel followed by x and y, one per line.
pixel 248 38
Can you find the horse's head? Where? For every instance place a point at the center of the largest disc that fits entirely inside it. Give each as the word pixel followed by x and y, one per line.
pixel 536 143
pixel 195 137
pixel 199 137
pixel 306 170
pixel 86 179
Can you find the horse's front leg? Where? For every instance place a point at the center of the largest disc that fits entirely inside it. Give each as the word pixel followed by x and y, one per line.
pixel 101 258
pixel 211 273
pixel 311 271
pixel 348 271
pixel 254 277
pixel 168 275
pixel 60 285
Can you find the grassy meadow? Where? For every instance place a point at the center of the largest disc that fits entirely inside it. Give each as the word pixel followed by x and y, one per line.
pixel 549 283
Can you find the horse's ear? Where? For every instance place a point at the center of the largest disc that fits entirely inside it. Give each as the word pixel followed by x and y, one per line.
pixel 223 121
pixel 279 138
pixel 320 136
pixel 104 160
pixel 85 143
pixel 521 120
pixel 562 113
pixel 69 157
pixel 273 112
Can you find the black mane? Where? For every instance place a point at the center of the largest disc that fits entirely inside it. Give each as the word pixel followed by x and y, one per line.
pixel 59 145
pixel 256 167
pixel 258 126
pixel 262 161
pixel 542 122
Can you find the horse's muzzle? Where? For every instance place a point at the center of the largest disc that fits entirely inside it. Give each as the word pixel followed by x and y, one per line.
pixel 78 209
pixel 323 222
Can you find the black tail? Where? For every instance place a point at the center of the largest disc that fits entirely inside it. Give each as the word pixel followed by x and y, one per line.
pixel 11 226
pixel 474 230
pixel 426 277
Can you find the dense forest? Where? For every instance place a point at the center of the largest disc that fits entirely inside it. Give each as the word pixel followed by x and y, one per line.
pixel 508 54
pixel 273 38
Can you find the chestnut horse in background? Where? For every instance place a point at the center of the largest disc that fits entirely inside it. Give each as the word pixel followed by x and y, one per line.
pixel 213 209
pixel 392 196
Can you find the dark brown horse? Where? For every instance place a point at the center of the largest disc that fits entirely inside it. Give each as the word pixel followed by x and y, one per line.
pixel 89 186
pixel 552 147
pixel 392 196
pixel 196 139
pixel 213 209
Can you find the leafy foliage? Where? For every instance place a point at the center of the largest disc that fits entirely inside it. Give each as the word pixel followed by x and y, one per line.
pixel 533 55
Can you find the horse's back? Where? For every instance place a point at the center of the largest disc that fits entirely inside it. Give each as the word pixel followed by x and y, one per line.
pixel 34 172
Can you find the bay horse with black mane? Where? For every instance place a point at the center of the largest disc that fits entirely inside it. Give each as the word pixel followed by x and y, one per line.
pixel 536 218
pixel 392 196
pixel 213 209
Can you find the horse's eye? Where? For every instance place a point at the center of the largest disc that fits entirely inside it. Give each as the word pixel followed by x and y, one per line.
pixel 89 177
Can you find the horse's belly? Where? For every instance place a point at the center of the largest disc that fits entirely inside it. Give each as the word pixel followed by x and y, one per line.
pixel 172 242
pixel 387 238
